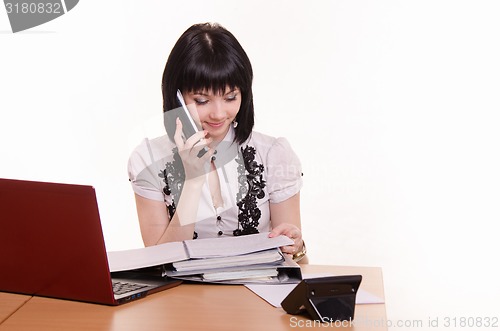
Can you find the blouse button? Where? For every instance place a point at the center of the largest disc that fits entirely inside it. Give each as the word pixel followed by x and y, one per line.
pixel 219 233
pixel 219 218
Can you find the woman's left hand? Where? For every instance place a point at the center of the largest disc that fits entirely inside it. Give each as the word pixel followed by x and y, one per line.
pixel 292 232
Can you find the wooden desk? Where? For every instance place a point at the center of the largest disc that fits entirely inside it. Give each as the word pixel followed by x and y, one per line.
pixel 9 303
pixel 190 307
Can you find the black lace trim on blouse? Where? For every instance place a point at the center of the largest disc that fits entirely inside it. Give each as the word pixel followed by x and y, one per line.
pixel 173 177
pixel 251 187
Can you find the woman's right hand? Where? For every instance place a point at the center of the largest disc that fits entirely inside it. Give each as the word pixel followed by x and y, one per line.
pixel 194 166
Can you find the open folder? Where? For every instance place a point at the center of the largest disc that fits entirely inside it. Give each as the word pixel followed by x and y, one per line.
pixel 247 259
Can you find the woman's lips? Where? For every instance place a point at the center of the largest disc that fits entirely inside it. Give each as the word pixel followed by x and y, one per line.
pixel 215 125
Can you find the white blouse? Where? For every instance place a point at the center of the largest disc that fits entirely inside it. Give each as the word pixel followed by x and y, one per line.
pixel 260 171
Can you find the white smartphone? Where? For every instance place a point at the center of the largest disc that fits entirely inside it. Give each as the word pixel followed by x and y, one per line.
pixel 188 125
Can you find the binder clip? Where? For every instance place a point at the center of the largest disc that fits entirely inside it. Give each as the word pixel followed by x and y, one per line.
pixel 327 299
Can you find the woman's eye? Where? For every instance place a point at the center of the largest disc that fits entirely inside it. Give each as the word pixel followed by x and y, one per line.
pixel 200 101
pixel 231 97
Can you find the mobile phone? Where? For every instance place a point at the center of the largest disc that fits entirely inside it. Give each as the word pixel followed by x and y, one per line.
pixel 188 125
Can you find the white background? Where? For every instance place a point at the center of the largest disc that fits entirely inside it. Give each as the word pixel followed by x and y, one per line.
pixel 392 106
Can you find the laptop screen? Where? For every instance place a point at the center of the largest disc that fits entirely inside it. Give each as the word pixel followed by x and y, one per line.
pixel 51 239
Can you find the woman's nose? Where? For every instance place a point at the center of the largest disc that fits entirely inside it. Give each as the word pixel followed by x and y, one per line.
pixel 217 111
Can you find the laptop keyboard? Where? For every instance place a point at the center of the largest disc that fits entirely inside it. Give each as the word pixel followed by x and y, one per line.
pixel 123 287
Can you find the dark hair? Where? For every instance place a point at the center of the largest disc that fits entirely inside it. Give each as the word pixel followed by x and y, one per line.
pixel 207 56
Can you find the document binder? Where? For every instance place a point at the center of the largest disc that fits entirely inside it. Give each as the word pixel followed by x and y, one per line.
pixel 192 259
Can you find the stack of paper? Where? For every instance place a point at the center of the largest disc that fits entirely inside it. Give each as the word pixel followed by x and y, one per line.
pixel 246 259
pixel 256 275
pixel 271 256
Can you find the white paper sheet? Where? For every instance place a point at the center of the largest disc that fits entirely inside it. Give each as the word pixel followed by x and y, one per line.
pixel 231 246
pixel 146 257
pixel 275 294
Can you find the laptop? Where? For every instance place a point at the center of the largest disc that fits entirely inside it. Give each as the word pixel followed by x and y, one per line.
pixel 52 245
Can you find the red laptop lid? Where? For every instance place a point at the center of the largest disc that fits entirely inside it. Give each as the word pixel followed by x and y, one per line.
pixel 51 242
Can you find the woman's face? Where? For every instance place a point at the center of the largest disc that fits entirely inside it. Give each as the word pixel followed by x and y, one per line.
pixel 215 111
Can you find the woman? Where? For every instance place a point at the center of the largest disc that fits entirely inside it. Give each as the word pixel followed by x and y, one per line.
pixel 245 183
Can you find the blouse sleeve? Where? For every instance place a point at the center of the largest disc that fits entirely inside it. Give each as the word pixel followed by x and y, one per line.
pixel 143 174
pixel 284 178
